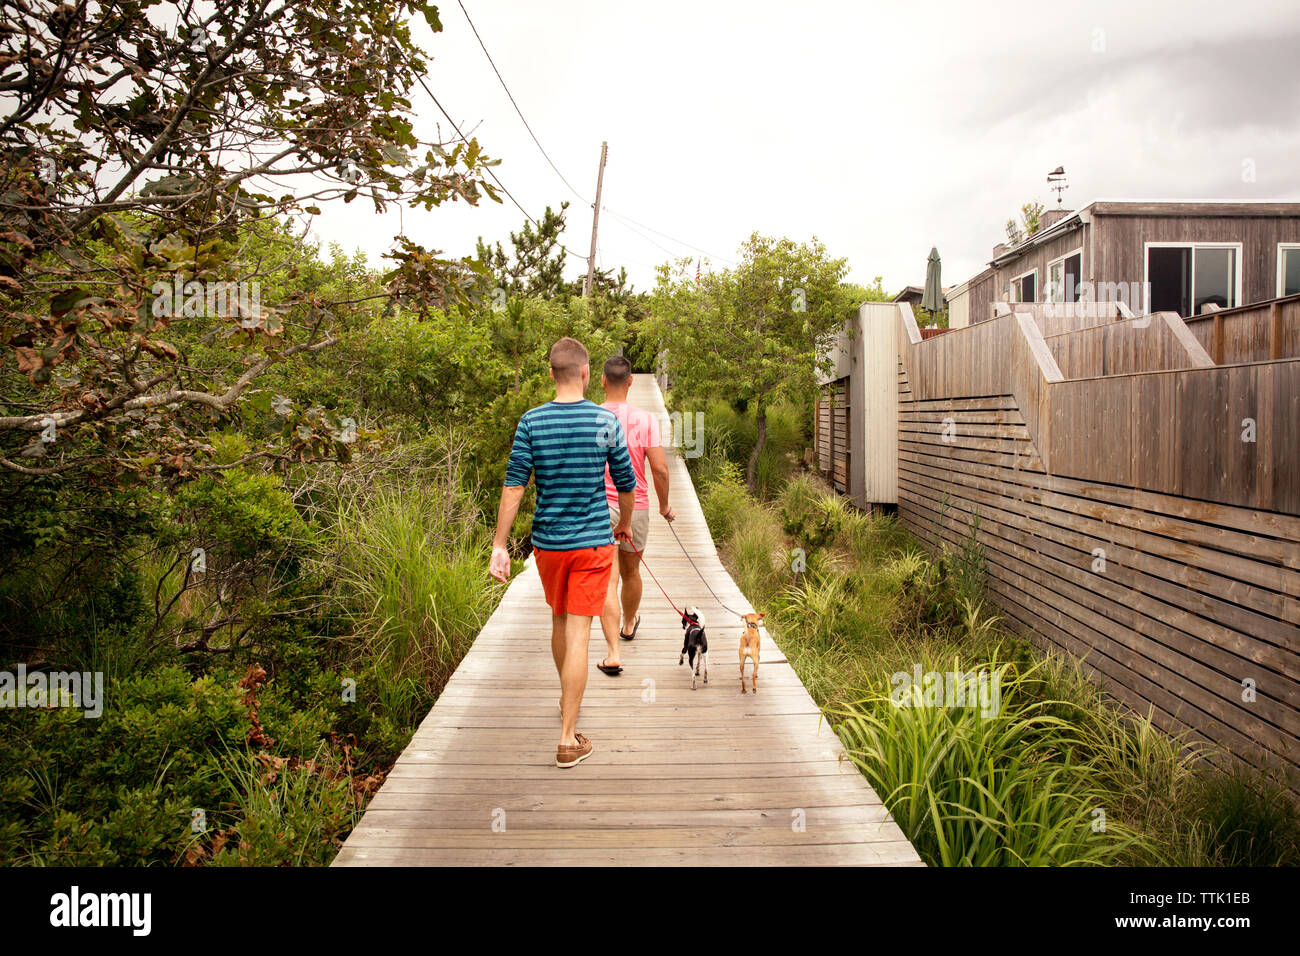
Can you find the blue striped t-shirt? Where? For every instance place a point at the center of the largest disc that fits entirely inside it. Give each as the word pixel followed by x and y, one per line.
pixel 567 445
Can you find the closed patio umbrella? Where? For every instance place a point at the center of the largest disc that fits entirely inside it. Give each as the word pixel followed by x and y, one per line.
pixel 932 300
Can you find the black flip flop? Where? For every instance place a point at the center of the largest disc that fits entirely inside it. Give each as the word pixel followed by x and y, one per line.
pixel 611 671
pixel 628 637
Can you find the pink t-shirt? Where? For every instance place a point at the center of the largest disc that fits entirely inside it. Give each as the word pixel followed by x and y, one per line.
pixel 642 430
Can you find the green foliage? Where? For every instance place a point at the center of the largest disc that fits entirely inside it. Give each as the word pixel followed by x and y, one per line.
pixel 535 265
pixel 1242 817
pixel 1031 218
pixel 413 560
pixel 809 516
pixel 976 789
pixel 147 279
pixel 79 797
pixel 764 326
pixel 236 514
pixel 282 812
pixel 1031 214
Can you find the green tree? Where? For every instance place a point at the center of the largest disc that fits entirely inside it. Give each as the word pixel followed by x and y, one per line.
pixel 1031 214
pixel 535 264
pixel 754 333
pixel 150 149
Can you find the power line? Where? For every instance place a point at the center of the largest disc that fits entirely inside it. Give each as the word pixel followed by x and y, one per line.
pixel 522 119
pixel 630 228
pixel 627 221
pixel 490 171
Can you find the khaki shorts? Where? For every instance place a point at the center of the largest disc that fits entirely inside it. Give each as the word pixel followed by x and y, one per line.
pixel 640 529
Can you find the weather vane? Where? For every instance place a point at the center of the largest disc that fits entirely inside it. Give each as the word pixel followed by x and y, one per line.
pixel 1056 181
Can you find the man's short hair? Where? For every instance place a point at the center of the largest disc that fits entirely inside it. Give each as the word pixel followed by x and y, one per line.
pixel 618 370
pixel 568 356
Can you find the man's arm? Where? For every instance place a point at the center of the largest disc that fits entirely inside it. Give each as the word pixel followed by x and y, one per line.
pixel 626 507
pixel 659 468
pixel 518 470
pixel 619 462
pixel 511 495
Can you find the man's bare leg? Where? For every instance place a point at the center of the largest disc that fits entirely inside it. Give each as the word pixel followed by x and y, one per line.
pixel 609 620
pixel 569 648
pixel 629 571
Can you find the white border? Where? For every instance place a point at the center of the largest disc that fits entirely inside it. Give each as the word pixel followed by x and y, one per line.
pixel 1146 267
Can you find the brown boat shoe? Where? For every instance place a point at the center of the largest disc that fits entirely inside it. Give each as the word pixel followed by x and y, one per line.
pixel 571 756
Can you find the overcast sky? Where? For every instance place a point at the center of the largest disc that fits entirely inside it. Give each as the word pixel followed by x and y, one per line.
pixel 880 128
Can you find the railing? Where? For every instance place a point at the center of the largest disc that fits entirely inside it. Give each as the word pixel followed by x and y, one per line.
pixel 1142 405
pixel 1264 331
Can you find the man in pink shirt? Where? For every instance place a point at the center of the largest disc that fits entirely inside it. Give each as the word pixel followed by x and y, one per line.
pixel 643 444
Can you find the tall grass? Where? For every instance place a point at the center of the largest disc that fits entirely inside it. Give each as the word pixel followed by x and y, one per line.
pixel 971 788
pixel 413 559
pixel 281 812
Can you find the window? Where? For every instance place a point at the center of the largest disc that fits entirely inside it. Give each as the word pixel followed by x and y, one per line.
pixel 1288 268
pixel 1025 287
pixel 1063 277
pixel 1186 277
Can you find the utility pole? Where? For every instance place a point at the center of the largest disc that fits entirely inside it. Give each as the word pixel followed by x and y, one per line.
pixel 595 220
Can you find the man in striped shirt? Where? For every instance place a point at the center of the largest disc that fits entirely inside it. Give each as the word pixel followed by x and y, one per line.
pixel 567 444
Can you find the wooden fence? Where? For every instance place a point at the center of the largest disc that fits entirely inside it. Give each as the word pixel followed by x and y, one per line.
pixel 832 434
pixel 1146 521
pixel 1251 333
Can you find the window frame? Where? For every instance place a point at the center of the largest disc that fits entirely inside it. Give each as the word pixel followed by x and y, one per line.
pixel 1146 268
pixel 1282 247
pixel 1016 292
pixel 1061 259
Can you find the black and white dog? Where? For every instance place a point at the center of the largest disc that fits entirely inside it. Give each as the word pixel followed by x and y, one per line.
pixel 696 643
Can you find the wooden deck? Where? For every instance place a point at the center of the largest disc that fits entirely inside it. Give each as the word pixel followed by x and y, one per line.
pixel 704 777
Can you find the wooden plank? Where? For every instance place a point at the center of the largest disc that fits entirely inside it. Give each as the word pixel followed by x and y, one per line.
pixel 678 776
pixel 852 854
pixel 1161 684
pixel 1182 653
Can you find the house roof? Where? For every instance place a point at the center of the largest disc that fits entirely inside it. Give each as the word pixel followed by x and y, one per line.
pixel 1199 208
pixel 917 290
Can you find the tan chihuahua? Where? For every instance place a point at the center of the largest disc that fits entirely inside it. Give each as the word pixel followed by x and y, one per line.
pixel 749 643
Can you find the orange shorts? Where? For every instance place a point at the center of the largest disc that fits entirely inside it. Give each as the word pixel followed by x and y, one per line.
pixel 575 581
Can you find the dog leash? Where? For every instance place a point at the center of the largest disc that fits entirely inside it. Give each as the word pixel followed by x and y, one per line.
pixel 641 558
pixel 701 573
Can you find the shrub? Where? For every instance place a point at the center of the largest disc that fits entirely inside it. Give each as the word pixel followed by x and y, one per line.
pixel 976 789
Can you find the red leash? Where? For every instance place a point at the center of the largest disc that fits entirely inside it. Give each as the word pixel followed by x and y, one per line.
pixel 641 558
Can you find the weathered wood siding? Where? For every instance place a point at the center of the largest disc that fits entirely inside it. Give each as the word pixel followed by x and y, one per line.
pixel 1252 333
pixel 990 288
pixel 832 433
pixel 1123 519
pixel 1114 240
pixel 1144 344
pixel 1118 248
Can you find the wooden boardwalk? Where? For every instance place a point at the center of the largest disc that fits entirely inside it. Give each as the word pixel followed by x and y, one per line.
pixel 704 777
